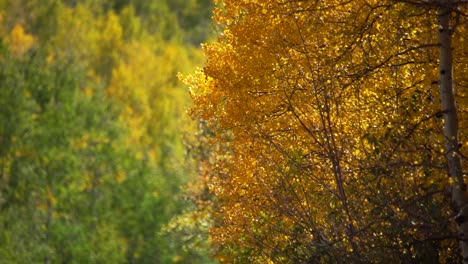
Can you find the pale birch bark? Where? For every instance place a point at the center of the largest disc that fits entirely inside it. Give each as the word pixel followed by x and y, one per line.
pixel 449 110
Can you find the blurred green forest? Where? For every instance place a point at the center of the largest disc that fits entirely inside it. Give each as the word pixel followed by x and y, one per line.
pixel 92 161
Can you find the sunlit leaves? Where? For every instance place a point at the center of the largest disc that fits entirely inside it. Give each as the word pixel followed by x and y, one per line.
pixel 326 137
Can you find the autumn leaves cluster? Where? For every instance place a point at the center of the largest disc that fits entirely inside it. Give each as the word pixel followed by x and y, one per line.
pixel 326 134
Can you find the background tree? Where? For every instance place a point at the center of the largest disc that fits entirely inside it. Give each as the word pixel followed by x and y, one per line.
pixel 92 160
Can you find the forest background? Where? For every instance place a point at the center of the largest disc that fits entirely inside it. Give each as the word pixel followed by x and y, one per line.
pixel 325 131
pixel 92 159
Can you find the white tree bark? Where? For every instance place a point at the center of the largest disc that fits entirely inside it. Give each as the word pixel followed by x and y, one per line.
pixel 449 111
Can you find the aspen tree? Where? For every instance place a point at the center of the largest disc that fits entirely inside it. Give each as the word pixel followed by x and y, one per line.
pixel 451 131
pixel 331 141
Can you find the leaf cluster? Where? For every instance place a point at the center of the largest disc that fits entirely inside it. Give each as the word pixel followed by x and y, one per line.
pixel 327 146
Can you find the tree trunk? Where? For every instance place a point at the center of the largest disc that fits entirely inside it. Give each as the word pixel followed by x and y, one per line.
pixel 449 111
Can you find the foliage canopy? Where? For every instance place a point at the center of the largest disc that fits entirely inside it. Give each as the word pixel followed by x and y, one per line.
pixel 326 131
